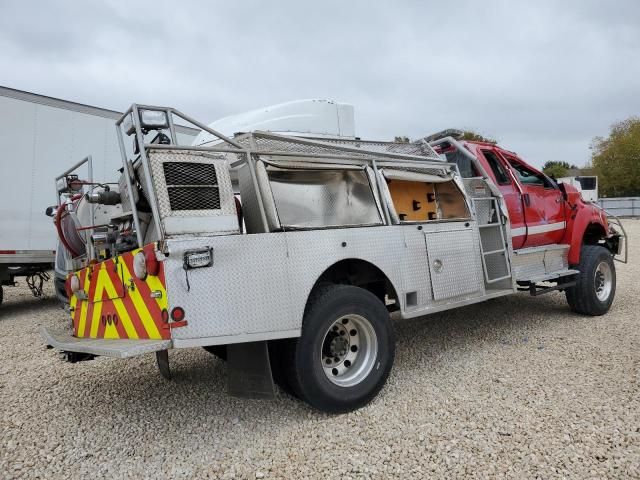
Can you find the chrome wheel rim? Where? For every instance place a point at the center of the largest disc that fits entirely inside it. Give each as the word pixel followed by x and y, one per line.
pixel 349 350
pixel 603 281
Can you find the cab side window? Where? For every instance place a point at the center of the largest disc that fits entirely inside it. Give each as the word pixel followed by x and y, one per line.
pixel 496 167
pixel 528 176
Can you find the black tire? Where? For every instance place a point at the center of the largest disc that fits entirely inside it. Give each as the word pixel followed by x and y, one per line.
pixel 1 294
pixel 328 308
pixel 589 295
pixel 219 351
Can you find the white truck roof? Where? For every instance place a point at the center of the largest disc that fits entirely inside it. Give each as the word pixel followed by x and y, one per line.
pixel 313 117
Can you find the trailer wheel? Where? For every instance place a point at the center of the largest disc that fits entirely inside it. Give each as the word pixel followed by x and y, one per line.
pixel 345 352
pixel 595 285
pixel 1 294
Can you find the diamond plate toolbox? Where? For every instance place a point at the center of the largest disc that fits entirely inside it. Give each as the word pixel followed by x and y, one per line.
pixel 453 263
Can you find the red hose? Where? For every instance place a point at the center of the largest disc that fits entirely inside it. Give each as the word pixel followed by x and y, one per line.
pixel 58 224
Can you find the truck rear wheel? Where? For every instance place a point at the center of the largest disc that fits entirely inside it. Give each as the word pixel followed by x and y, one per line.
pixel 345 352
pixel 595 286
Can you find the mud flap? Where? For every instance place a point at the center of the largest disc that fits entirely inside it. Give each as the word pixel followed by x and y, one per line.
pixel 249 374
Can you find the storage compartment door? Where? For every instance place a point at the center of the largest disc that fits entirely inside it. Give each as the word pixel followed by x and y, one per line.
pixel 453 263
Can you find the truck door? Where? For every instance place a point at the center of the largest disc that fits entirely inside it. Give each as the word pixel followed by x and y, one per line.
pixel 502 178
pixel 542 204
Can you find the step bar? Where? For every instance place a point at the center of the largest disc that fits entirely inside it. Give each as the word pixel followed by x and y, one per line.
pixel 116 348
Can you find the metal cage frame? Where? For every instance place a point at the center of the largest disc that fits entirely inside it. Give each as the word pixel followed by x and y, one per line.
pixel 247 148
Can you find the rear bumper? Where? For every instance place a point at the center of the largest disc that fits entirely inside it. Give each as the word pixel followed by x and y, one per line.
pixel 120 348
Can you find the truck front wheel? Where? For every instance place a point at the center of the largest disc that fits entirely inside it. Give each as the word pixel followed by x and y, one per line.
pixel 345 352
pixel 595 285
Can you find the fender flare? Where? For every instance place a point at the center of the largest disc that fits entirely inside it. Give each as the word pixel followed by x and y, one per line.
pixel 578 226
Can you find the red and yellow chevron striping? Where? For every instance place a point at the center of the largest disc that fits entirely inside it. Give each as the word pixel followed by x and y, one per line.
pixel 117 304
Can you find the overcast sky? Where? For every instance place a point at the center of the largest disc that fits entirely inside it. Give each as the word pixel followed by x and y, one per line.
pixel 543 77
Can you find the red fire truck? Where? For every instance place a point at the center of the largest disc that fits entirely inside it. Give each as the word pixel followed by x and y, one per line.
pixel 294 281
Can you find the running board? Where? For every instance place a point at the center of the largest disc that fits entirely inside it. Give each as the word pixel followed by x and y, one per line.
pixel 554 276
pixel 537 290
pixel 116 348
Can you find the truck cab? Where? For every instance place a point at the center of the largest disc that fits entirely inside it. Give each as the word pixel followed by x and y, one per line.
pixel 534 201
pixel 542 212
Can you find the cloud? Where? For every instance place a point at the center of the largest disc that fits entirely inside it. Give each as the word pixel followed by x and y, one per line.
pixel 542 77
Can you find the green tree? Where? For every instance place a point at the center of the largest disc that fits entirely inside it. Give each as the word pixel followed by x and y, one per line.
pixel 616 159
pixel 401 139
pixel 476 137
pixel 557 169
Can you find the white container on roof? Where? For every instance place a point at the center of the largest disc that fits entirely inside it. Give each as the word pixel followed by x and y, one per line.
pixel 311 118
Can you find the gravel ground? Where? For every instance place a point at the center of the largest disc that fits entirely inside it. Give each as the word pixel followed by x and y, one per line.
pixel 514 387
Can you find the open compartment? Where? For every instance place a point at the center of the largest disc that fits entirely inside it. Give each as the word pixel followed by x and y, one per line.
pixel 420 197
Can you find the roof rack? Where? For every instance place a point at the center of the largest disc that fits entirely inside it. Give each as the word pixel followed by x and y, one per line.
pixel 449 132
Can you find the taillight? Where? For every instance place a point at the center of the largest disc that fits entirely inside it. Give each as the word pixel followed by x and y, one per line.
pixel 145 263
pixel 74 283
pixel 153 265
pixel 140 266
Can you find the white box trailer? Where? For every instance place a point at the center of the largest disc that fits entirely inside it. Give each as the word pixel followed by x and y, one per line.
pixel 586 184
pixel 40 137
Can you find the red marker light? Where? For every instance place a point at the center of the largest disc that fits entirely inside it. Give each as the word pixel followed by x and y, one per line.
pixel 153 265
pixel 177 314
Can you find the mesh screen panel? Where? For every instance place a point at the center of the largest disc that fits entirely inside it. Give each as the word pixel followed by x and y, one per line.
pixel 187 173
pixel 191 186
pixel 194 198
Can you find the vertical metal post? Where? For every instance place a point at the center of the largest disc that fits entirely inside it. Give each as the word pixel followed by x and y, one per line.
pixel 125 172
pixel 57 192
pixel 172 128
pixel 92 206
pixel 254 181
pixel 147 172
pixel 383 204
